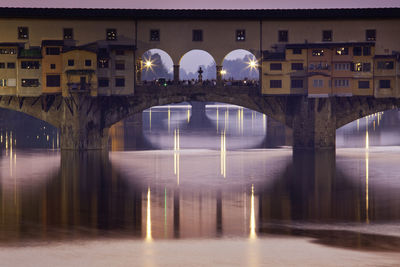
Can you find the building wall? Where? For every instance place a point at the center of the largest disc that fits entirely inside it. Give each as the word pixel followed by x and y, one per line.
pixel 84 31
pixel 29 74
pixel 8 74
pixel 47 61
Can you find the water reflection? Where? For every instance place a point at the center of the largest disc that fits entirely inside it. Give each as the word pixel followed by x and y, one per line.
pixel 136 196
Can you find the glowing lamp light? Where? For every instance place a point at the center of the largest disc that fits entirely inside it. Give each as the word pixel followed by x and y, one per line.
pixel 148 64
pixel 252 64
pixel 223 72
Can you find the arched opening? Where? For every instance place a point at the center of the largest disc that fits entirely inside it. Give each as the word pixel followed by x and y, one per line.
pixel 19 130
pixel 240 65
pixel 378 129
pixel 156 65
pixel 197 66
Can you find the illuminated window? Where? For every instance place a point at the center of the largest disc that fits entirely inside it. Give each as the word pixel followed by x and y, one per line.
pixel 327 36
pixel 111 34
pixel 68 34
pixel 23 33
pixel 53 80
pixel 385 65
pixel 103 63
pixel 197 36
pixel 370 35
pixel 363 84
pixel 30 64
pixel 275 83
pixel 318 52
pixel 342 51
pixel 3 82
pixel 283 36
pixel 297 66
pixel 240 35
pixel 384 83
pixel 275 66
pixel 154 35
pixel 30 82
pixel 6 51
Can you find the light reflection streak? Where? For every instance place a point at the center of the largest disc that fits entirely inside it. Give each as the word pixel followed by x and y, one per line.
pixel 366 187
pixel 253 234
pixel 150 119
pixel 148 220
pixel 188 115
pixel 169 118
pixel 217 118
pixel 264 123
pixel 223 154
pixel 177 155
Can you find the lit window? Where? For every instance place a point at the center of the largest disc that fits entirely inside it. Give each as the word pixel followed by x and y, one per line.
pixel 385 65
pixel 370 35
pixel 240 35
pixel 318 52
pixel 154 35
pixel 23 33
pixel 30 65
pixel 111 34
pixel 30 82
pixel 68 34
pixel 3 82
pixel 103 63
pixel 342 51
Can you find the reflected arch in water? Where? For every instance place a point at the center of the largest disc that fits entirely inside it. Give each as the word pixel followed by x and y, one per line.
pixel 192 60
pixel 156 63
pixel 240 64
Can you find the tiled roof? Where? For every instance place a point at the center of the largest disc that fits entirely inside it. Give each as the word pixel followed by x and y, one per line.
pixel 200 13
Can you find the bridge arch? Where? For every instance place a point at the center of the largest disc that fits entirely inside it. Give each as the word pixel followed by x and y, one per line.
pixel 192 60
pixel 156 63
pixel 240 64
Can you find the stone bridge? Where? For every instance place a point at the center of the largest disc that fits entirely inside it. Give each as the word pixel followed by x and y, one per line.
pixel 84 121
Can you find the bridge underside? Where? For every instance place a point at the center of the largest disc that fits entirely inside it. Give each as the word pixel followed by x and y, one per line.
pixel 84 121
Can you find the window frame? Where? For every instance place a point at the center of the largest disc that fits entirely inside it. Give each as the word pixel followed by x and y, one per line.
pixel 109 31
pixel 240 35
pixel 119 79
pixel 367 35
pixel 275 68
pixel 20 28
pixel 197 35
pixel 277 85
pixel 65 34
pixel 53 76
pixel 283 36
pixel 151 34
pixel 327 35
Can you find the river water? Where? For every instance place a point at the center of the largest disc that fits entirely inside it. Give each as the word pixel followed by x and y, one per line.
pixel 204 189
